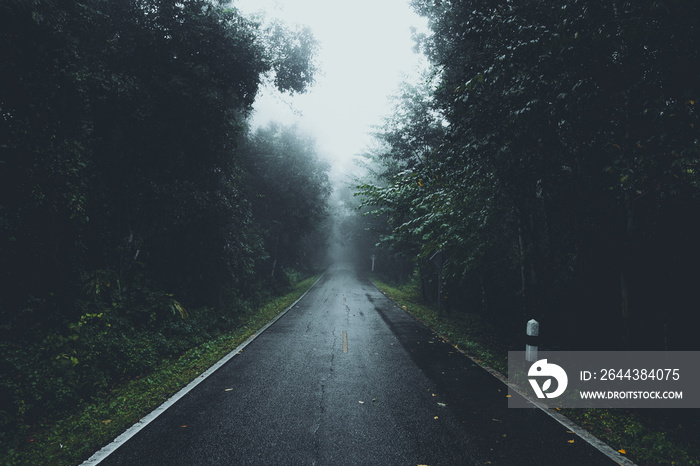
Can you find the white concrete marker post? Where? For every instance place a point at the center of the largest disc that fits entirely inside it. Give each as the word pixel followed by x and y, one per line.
pixel 532 330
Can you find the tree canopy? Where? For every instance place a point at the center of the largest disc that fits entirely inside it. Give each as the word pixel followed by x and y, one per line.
pixel 563 183
pixel 131 195
pixel 289 189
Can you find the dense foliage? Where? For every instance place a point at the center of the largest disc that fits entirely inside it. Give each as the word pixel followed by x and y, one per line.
pixel 131 223
pixel 288 190
pixel 559 170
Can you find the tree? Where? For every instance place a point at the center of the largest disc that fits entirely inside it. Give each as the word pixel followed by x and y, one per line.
pixel 123 196
pixel 289 188
pixel 570 144
pixel 134 110
pixel 400 167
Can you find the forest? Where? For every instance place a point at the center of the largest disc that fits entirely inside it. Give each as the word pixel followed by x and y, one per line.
pixel 551 155
pixel 139 214
pixel 546 167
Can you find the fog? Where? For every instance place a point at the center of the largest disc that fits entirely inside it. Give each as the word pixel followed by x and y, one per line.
pixel 365 51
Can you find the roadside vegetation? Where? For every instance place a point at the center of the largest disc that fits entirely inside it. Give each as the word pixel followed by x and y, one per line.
pixel 552 156
pixel 548 168
pixel 72 435
pixel 647 437
pixel 141 218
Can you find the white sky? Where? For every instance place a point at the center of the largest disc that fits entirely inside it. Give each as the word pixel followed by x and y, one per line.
pixel 365 52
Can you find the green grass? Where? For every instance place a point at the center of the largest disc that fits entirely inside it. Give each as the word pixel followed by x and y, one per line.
pixel 74 438
pixel 648 437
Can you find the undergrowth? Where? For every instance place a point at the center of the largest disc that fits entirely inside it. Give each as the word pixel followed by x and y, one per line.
pixel 76 434
pixel 647 437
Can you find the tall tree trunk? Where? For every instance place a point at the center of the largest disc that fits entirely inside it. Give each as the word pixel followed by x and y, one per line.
pixel 274 260
pixel 421 275
pixel 528 274
pixel 624 273
pixel 484 301
pixel 524 284
pixel 439 293
pixel 535 264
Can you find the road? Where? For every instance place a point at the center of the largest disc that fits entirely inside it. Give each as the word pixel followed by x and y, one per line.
pixel 346 377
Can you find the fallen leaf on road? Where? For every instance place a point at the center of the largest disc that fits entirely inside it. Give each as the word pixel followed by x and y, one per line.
pixel 504 435
pixel 570 441
pixel 434 394
pixel 497 420
pixel 435 417
pixel 362 402
pixel 622 451
pixel 184 425
pixel 507 396
pixel 569 432
pixel 228 389
pixel 441 404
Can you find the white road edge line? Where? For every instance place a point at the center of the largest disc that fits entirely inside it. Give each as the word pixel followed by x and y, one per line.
pixel 594 441
pixel 107 450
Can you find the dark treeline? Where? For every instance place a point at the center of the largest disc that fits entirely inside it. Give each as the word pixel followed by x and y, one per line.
pixel 138 215
pixel 552 154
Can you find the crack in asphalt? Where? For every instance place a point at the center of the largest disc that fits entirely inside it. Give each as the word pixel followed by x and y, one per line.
pixel 321 407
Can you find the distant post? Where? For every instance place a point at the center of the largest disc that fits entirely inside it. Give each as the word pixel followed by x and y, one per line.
pixel 532 331
pixel 372 262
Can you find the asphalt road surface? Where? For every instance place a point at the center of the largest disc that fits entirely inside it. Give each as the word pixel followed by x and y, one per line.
pixel 346 377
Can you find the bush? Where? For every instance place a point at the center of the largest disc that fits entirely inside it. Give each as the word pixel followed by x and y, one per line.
pixel 118 336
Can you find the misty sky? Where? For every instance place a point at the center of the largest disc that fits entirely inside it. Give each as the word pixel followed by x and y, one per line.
pixel 365 52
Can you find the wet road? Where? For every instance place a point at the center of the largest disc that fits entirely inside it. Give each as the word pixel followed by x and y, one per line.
pixel 347 377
